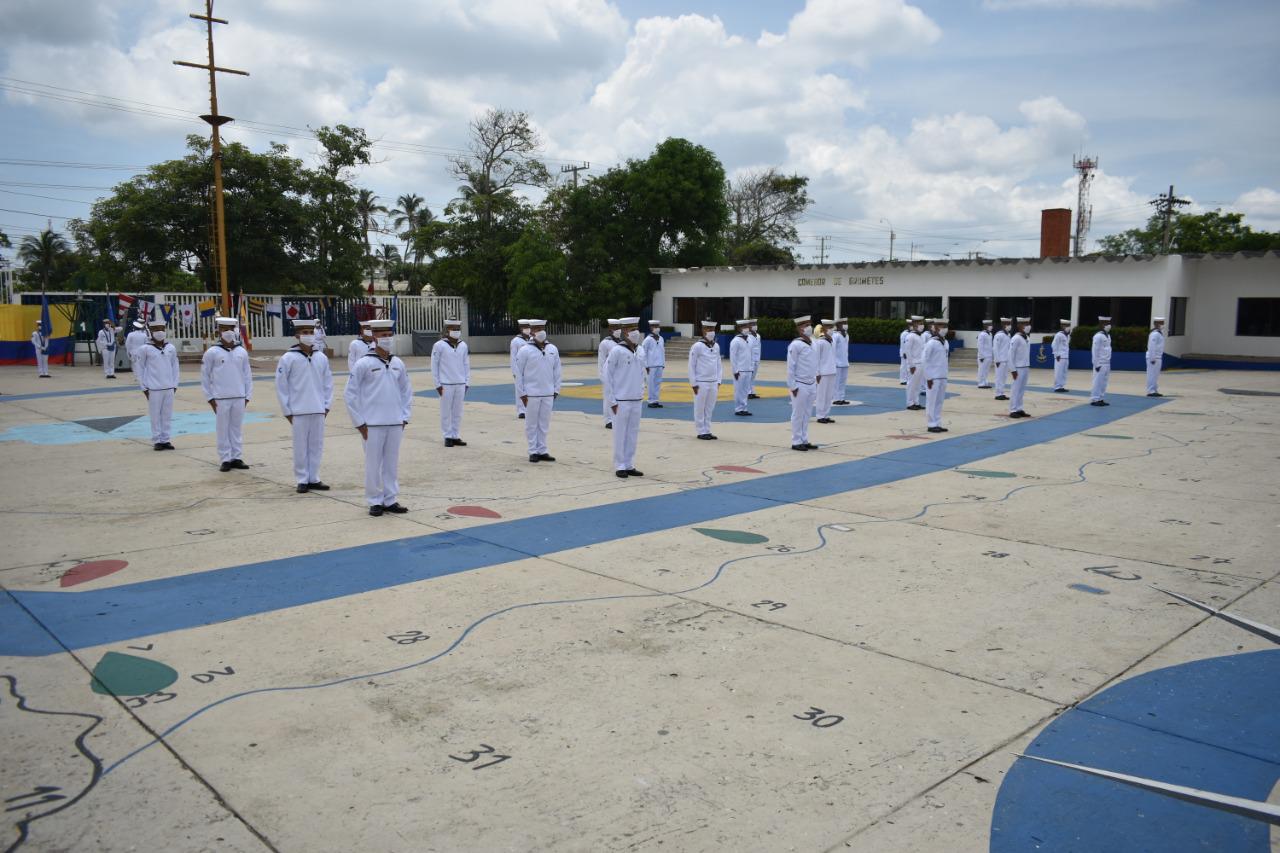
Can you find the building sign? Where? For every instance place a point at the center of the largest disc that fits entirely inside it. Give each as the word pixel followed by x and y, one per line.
pixel 839 281
pixel 813 282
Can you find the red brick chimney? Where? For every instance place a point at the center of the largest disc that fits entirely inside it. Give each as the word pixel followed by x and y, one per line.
pixel 1055 233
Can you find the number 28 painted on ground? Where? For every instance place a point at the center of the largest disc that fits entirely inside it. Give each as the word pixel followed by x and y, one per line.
pixel 819 718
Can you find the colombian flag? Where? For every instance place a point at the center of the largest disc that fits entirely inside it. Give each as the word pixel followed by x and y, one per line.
pixel 208 308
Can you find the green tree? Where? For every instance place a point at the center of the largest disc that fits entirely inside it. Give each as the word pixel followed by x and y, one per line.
pixel 4 241
pixel 367 208
pixel 1191 233
pixel 340 244
pixel 475 246
pixel 388 260
pixel 539 274
pixel 46 258
pixel 764 208
pixel 499 159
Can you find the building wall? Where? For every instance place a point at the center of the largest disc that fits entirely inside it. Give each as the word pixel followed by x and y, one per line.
pixel 1218 284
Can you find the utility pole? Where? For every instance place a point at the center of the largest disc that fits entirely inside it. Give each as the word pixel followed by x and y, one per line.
pixel 1165 206
pixel 575 169
pixel 891 236
pixel 215 121
pixel 822 249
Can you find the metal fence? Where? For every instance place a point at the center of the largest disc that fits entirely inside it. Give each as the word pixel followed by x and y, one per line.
pixel 507 326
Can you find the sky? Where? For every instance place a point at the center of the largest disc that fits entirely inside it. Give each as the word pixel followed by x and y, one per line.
pixel 948 123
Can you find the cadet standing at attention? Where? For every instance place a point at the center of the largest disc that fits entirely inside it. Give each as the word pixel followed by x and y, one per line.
pixel 840 343
pixel 107 348
pixel 936 370
pixel 625 369
pixel 41 345
pixel 514 347
pixel 755 362
pixel 227 383
pixel 380 401
pixel 1101 362
pixel 304 387
pixel 1020 361
pixel 705 375
pixel 824 346
pixel 984 355
pixel 914 349
pixel 538 384
pixel 904 361
pixel 802 378
pixel 655 362
pixel 359 347
pixel 135 339
pixel 1061 356
pixel 1000 345
pixel 156 365
pixel 1155 357
pixel 602 355
pixel 743 368
pixel 451 372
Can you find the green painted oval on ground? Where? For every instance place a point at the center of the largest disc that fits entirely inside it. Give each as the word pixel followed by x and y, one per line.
pixel 127 675
pixel 973 473
pixel 738 537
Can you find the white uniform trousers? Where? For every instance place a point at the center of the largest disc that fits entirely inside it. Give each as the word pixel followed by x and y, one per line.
pixel 608 413
pixel 42 362
pixel 537 422
pixel 230 427
pixel 933 398
pixel 1019 389
pixel 108 363
pixel 801 406
pixel 704 404
pixel 1153 376
pixel 520 410
pixel 826 394
pixel 984 371
pixel 842 382
pixel 755 371
pixel 915 381
pixel 160 408
pixel 655 384
pixel 626 430
pixel 308 446
pixel 451 399
pixel 382 464
pixel 1100 376
pixel 741 388
pixel 1002 378
pixel 1060 372
pixel 904 370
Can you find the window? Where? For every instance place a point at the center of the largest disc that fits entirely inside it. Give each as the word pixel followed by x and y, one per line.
pixel 968 312
pixel 816 307
pixel 1177 316
pixel 1123 310
pixel 724 310
pixel 885 308
pixel 1258 317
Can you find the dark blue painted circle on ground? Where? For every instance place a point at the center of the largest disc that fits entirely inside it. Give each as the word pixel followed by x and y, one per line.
pixel 1211 724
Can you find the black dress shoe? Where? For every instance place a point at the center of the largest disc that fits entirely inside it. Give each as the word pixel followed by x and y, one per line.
pixel 1060 390
pixel 167 446
pixel 914 407
pixel 935 429
pixel 621 474
pixel 1002 397
pixel 157 446
pixel 840 403
pixel 632 472
pixel 654 406
pixel 608 426
pixel 1155 395
pixel 1017 414
pixel 448 442
pixel 395 507
pixel 303 488
pixel 457 442
pixel 111 377
pixel 811 445
pixel 318 486
pixel 753 396
pixel 742 414
pixel 713 437
pixel 375 511
pixel 520 416
pixel 826 420
pixel 546 457
pixel 799 447
pixel 943 429
pixel 659 405
pixel 533 457
pixel 239 463
pixel 225 466
pixel 706 436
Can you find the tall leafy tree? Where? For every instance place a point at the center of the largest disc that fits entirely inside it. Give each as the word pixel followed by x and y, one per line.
pixel 340 249
pixel 367 208
pixel 764 208
pixel 4 241
pixel 45 257
pixel 1214 231
pixel 500 158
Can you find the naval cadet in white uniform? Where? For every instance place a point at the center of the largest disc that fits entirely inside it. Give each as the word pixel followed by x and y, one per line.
pixel 705 375
pixel 914 349
pixel 304 386
pixel 107 348
pixel 824 346
pixel 135 339
pixel 451 372
pixel 380 401
pixel 755 362
pixel 904 357
pixel 840 343
pixel 936 370
pixel 1020 364
pixel 1000 348
pixel 802 379
pixel 602 355
pixel 1101 354
pixel 742 365
pixel 1061 356
pixel 538 384
pixel 227 383
pixel 655 362
pixel 40 344
pixel 985 351
pixel 625 370
pixel 1155 357
pixel 156 366
pixel 513 348
pixel 360 347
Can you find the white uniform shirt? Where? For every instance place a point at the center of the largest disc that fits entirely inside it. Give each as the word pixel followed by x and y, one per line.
pixel 132 341
pixel 840 344
pixel 1061 344
pixel 359 349
pixel 225 374
pixel 1001 346
pixel 704 363
pixel 740 358
pixel 156 366
pixel 538 371
pixel 802 363
pixel 40 342
pixel 655 351
pixel 915 349
pixel 1101 349
pixel 304 384
pixel 1020 351
pixel 984 344
pixel 935 359
pixel 450 365
pixel 517 344
pixel 378 393
pixel 106 341
pixel 902 343
pixel 1155 346
pixel 602 354
pixel 826 357
pixel 625 375
pixel 755 347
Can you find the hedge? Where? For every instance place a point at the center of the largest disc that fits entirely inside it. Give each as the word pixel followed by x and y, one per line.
pixel 862 330
pixel 1123 338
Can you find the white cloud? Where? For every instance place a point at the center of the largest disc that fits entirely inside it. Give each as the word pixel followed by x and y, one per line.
pixel 1002 5
pixel 1261 208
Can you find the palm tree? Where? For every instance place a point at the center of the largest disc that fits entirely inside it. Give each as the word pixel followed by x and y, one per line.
pixel 367 208
pixel 388 257
pixel 43 253
pixel 406 217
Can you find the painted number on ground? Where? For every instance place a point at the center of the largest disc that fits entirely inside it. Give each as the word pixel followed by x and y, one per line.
pixel 40 794
pixel 487 752
pixel 408 638
pixel 781 549
pixel 819 718
pixel 999 555
pixel 772 605
pixel 157 698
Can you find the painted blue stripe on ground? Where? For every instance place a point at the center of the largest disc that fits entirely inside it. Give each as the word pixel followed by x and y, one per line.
pixel 130 611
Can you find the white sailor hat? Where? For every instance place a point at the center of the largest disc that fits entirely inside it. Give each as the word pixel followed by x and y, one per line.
pixel 917 318
pixel 157 323
pixel 828 322
pixel 1102 319
pixel 612 321
pixel 628 321
pixel 447 322
pixel 986 322
pixel 708 324
pixel 1006 319
pixel 522 323
pixel 941 321
pixel 840 320
pixel 655 323
pixel 1157 319
pixel 309 323
pixel 365 323
pixel 744 322
pixel 226 321
pixel 1064 322
pixel 1024 319
pixel 800 321
pixel 906 320
pixel 139 323
pixel 536 322
pixel 378 324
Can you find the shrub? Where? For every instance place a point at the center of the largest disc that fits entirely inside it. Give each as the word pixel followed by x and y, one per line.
pixel 1123 338
pixel 862 330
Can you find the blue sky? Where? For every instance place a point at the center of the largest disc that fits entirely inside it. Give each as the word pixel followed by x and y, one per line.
pixel 955 121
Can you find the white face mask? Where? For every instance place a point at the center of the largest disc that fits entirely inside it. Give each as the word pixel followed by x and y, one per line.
pixel 1066 330
pixel 524 332
pixel 942 333
pixel 385 343
pixel 806 331
pixel 1106 328
pixel 617 334
pixel 366 335
pixel 160 335
pixel 1008 328
pixel 307 340
pixel 540 336
pixel 229 336
pixel 634 336
pixel 1026 330
pixel 710 336
pixel 455 333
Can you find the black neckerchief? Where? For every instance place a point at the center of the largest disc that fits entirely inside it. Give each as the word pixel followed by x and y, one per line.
pixel 298 349
pixel 803 338
pixel 655 336
pixel 227 347
pixel 160 345
pixel 744 335
pixel 373 353
pixel 706 343
pixel 451 342
pixel 542 346
pixel 627 344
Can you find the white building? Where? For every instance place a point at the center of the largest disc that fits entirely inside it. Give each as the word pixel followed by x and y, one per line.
pixel 1216 305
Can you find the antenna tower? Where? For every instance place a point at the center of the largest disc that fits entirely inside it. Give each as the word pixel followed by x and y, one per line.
pixel 1086 166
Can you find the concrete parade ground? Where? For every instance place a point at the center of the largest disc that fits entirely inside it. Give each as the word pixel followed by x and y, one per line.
pixel 748 649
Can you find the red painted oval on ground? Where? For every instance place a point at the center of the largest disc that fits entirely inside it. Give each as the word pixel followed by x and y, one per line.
pixel 739 469
pixel 473 512
pixel 90 571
